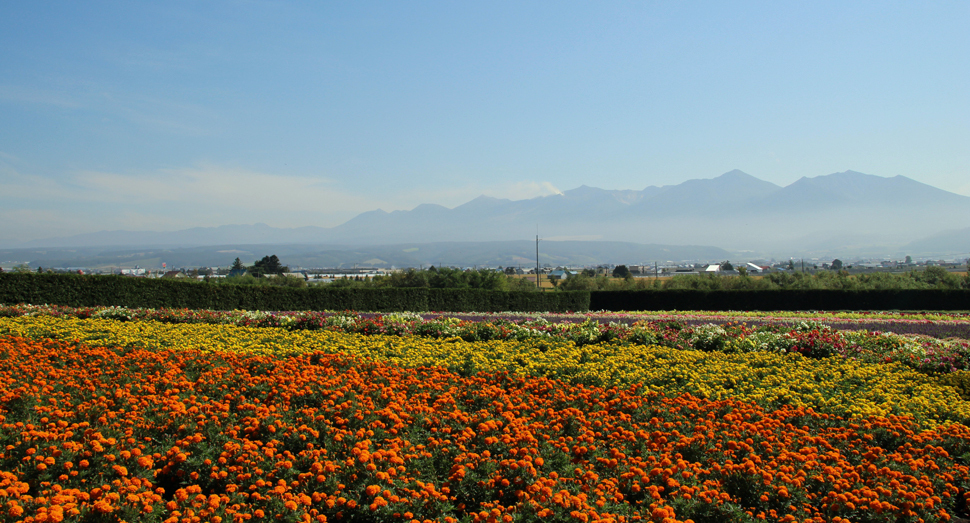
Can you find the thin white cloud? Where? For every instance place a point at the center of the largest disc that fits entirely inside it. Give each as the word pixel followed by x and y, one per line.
pixel 29 187
pixel 523 190
pixel 21 94
pixel 172 199
pixel 170 116
pixel 214 186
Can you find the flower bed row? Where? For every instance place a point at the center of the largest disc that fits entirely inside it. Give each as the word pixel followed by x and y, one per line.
pixel 900 322
pixel 932 325
pixel 178 436
pixel 835 385
pixel 809 338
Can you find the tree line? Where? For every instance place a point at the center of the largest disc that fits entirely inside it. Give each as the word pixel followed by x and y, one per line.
pixel 443 278
pixel 269 271
pixel 929 278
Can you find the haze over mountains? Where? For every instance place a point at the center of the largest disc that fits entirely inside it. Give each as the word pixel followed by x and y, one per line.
pixel 462 254
pixel 840 213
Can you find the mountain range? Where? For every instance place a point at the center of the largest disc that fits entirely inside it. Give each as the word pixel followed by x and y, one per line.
pixel 837 213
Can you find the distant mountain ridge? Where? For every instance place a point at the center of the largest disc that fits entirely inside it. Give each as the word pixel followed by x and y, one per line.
pixel 943 244
pixel 736 211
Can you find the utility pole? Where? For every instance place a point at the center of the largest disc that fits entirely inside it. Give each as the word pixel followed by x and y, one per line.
pixel 537 258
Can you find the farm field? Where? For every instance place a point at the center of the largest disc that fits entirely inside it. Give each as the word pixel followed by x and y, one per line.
pixel 930 342
pixel 183 416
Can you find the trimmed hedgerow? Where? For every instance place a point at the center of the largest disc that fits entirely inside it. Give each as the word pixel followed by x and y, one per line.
pixel 89 291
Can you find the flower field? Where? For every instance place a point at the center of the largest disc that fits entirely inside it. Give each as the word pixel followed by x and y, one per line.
pixel 833 385
pixel 814 336
pixel 137 420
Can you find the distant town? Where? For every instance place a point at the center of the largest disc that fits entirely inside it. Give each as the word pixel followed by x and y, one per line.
pixel 635 270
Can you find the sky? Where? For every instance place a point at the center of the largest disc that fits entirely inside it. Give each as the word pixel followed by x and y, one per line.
pixel 168 115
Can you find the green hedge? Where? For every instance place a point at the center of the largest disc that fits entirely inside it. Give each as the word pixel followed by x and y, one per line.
pixel 779 300
pixel 90 291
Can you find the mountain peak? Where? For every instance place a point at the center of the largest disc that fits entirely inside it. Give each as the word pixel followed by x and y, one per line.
pixel 851 174
pixel 428 207
pixel 583 190
pixel 738 176
pixel 864 189
pixel 482 202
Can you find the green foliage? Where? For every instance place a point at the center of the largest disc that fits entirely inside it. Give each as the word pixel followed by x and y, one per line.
pixel 521 284
pixel 87 291
pixel 266 266
pixel 936 277
pixel 966 276
pixel 587 281
pixel 483 291
pixel 268 281
pixel 446 278
pixel 621 271
pixel 240 279
pixel 931 278
pixel 710 282
pixel 404 279
pixel 780 299
pixel 579 282
pixel 709 338
pixel 347 283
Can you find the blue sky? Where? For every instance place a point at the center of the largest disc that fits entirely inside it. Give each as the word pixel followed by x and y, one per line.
pixel 167 115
